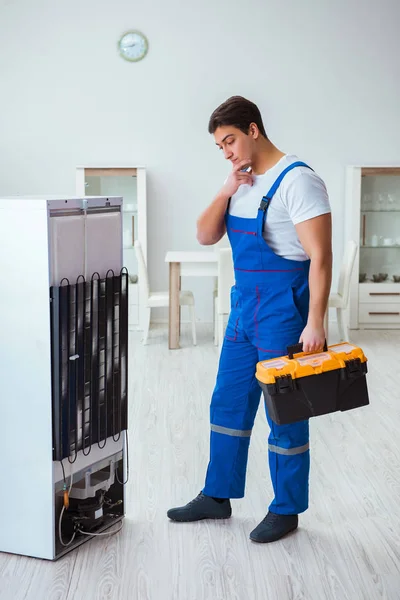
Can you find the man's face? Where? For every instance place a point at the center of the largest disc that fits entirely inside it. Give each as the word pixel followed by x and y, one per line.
pixel 235 144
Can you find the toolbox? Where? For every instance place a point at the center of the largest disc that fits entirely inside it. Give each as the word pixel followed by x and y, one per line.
pixel 303 385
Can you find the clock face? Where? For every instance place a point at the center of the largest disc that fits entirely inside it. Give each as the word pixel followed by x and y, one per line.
pixel 133 46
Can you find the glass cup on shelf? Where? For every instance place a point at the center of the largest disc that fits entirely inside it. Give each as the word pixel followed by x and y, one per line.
pixel 366 203
pixel 374 240
pixel 382 203
pixel 390 202
pixel 374 201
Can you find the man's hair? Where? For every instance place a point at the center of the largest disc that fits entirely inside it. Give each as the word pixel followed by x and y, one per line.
pixel 238 112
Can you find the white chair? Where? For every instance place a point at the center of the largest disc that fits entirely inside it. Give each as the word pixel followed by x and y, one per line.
pixel 339 300
pixel 160 299
pixel 222 301
pixel 222 243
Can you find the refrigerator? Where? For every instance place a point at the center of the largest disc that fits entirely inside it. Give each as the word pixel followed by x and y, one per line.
pixel 63 373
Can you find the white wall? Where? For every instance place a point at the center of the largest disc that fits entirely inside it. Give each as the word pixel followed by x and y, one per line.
pixel 325 74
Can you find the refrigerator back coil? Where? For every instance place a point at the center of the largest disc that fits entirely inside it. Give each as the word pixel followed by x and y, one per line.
pixel 89 322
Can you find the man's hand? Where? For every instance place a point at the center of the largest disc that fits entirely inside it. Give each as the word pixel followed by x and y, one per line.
pixel 313 337
pixel 237 178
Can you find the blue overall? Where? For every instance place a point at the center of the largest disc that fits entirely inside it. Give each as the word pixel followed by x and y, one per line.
pixel 269 310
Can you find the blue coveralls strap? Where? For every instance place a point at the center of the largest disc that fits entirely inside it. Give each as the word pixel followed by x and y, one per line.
pixel 269 310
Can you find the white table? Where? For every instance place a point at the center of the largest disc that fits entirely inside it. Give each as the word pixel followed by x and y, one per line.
pixel 193 264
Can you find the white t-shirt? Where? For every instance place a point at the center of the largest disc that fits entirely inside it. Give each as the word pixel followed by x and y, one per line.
pixel 302 195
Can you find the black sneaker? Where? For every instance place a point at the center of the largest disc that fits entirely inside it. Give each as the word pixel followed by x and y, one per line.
pixel 274 527
pixel 202 507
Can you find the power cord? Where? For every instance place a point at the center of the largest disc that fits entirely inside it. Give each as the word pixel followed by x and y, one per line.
pixel 65 506
pixel 127 463
pixel 105 533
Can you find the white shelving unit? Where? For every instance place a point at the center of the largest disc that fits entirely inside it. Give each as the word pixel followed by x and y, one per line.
pixel 128 182
pixel 373 203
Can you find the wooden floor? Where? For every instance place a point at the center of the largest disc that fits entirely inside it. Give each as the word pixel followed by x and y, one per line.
pixel 348 544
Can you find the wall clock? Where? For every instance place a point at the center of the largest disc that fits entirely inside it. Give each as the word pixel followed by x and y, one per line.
pixel 133 46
